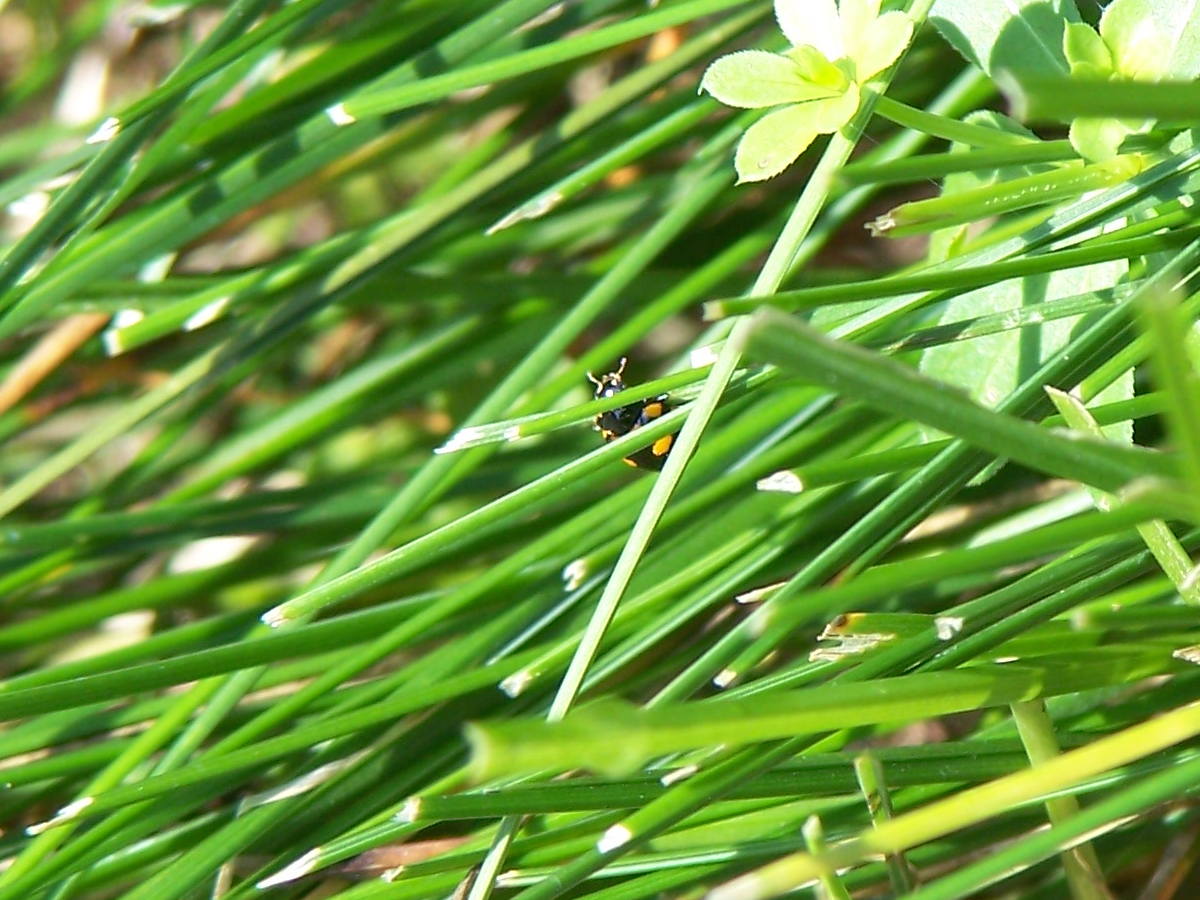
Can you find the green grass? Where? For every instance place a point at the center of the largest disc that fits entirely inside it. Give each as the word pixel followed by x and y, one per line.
pixel 316 578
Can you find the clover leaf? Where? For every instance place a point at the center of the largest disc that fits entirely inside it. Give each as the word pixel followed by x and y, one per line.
pixel 1130 45
pixel 816 83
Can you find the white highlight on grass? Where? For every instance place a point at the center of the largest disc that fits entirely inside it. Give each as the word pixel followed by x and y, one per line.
pixel 881 225
pixel 534 209
pixel 123 318
pixel 1188 654
pixel 1098 831
pixel 64 815
pixel 510 878
pixel 339 116
pixel 304 783
pixel 107 130
pixel 615 837
pixel 149 16
pixel 207 314
pixel 757 595
pixel 574 572
pixel 409 811
pixel 784 481
pixel 211 551
pixel 677 775
pixel 544 17
pixel 703 356
pixel 276 616
pixel 157 268
pixel 948 627
pixel 464 437
pixel 1190 579
pixel 31 206
pixel 516 683
pixel 292 871
pixel 112 338
pixel 724 678
pixel 113 345
pixel 847 645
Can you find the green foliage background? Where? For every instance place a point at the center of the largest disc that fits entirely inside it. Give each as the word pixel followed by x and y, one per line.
pixel 316 581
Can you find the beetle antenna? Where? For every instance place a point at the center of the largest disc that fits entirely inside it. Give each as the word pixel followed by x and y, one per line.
pixel 621 367
pixel 593 379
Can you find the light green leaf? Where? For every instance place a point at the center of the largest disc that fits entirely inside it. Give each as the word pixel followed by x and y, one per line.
pixel 878 44
pixel 856 16
pixel 1090 72
pixel 831 114
pixel 1139 47
pixel 1097 139
pixel 814 67
pixel 1086 51
pixel 772 143
pixel 1153 39
pixel 812 22
pixel 753 79
pixel 1024 37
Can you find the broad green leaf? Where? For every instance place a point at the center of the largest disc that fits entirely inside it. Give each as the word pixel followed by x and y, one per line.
pixel 1153 38
pixel 1089 72
pixel 1022 37
pixel 1139 47
pixel 752 79
pixel 990 367
pixel 1139 39
pixel 1097 139
pixel 1091 57
pixel 1086 51
pixel 774 142
pixel 878 44
pixel 811 22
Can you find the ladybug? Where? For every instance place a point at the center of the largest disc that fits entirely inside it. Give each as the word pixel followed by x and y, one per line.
pixel 620 421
